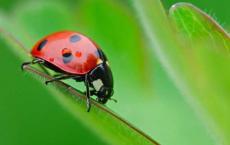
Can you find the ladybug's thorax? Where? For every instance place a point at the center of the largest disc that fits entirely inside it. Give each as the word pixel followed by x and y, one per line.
pixel 71 52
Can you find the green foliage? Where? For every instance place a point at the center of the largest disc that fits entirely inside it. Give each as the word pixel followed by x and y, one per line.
pixel 209 48
pixel 197 62
pixel 200 28
pixel 219 11
pixel 170 81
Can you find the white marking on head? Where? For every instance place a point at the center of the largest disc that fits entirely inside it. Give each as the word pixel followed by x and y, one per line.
pixel 97 84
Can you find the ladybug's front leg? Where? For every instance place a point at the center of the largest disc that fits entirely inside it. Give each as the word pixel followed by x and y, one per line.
pixel 34 61
pixel 87 93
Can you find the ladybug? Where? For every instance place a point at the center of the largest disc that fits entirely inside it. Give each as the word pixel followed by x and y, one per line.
pixel 75 56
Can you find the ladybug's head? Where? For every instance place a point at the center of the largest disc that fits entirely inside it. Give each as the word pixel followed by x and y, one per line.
pixel 104 94
pixel 102 80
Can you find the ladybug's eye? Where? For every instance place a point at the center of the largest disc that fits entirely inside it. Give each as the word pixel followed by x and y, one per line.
pixel 41 45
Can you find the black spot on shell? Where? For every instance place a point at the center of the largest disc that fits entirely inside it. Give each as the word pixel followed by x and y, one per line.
pixel 75 38
pixel 41 45
pixel 67 59
pixel 67 54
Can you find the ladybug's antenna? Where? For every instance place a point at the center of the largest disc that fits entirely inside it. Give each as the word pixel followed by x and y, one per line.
pixel 113 100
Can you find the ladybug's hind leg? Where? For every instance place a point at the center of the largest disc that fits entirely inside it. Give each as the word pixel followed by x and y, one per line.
pixel 34 61
pixel 58 78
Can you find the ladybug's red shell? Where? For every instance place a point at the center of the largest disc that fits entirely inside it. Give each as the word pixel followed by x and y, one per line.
pixel 71 52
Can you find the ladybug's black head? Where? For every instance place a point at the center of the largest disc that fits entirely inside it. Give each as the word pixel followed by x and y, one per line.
pixel 104 94
pixel 101 80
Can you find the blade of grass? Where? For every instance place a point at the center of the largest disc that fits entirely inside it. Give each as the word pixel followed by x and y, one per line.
pixel 171 54
pixel 209 46
pixel 77 94
pixel 199 27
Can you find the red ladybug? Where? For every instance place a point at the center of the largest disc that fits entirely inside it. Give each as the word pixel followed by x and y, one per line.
pixel 75 56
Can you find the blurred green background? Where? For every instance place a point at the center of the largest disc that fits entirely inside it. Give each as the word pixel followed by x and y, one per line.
pixel 146 96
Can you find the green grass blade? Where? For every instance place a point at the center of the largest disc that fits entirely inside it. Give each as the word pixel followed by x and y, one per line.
pixel 199 27
pixel 209 45
pixel 102 114
pixel 183 64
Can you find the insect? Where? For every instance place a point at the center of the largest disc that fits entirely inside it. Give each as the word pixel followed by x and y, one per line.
pixel 75 56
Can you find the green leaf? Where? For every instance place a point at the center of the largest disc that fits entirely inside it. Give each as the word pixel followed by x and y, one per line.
pixel 197 66
pixel 109 127
pixel 210 46
pixel 200 27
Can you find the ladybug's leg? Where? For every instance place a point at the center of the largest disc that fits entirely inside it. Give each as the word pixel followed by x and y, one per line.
pixel 87 93
pixel 113 100
pixel 34 61
pixel 92 92
pixel 62 77
pixel 57 75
